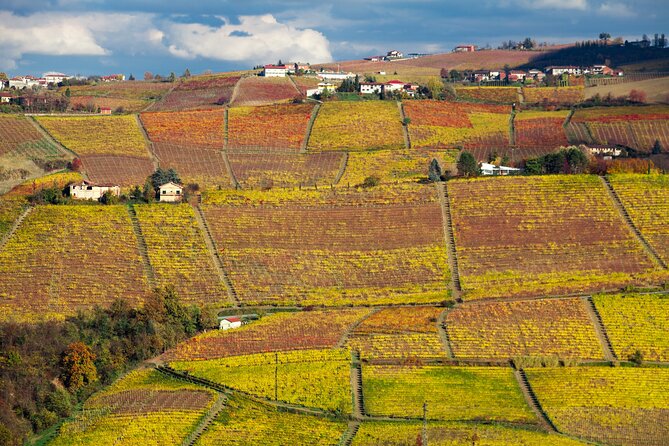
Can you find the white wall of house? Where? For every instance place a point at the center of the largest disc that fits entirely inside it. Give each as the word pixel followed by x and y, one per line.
pixel 170 193
pixel 275 71
pixel 85 191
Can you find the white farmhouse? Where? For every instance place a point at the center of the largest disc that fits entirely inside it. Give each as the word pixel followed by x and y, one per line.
pixel 371 87
pixel 170 192
pixel 322 86
pixel 275 71
pixel 491 169
pixel 334 76
pixel 395 85
pixel 91 191
pixel 230 322
pixel 53 77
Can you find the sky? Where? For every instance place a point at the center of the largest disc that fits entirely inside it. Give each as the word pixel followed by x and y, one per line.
pixel 89 37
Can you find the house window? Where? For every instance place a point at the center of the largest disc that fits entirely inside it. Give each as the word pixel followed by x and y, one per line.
pixel 178 192
pixel 164 192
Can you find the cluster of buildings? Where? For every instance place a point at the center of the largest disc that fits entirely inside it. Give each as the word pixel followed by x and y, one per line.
pixel 539 75
pixel 286 69
pixel 52 77
pixel 389 87
pixel 86 190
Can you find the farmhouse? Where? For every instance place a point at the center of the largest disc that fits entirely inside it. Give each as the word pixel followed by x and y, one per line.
pixel 464 49
pixel 335 76
pixel 230 322
pixel 170 192
pixel 105 111
pixel 91 191
pixel 371 87
pixel 375 58
pixel 394 54
pixel 395 85
pixel 275 71
pixel 5 98
pixel 491 169
pixel 322 86
pixel 517 75
pixel 559 70
pixel 53 77
pixel 113 78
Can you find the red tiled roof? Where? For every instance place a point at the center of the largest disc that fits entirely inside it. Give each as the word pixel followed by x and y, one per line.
pixel 232 319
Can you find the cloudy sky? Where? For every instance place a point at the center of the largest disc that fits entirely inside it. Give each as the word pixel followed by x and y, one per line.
pixel 122 36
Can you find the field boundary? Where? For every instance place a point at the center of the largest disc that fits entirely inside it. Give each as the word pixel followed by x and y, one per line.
pixel 149 144
pixel 443 333
pixel 228 168
pixel 206 421
pixel 405 126
pixel 342 168
pixel 630 223
pixel 532 401
pixel 349 433
pixel 447 224
pixel 600 329
pixel 310 126
pixel 50 138
pixel 215 256
pixel 15 226
pixel 142 247
pixel 356 386
pixel 349 331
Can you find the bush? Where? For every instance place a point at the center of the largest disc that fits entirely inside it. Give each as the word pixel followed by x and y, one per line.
pixel 371 181
pixel 636 358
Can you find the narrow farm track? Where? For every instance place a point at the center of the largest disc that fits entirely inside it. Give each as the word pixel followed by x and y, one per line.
pixel 204 424
pixel 50 138
pixel 142 247
pixel 15 226
pixel 292 81
pixel 226 128
pixel 167 93
pixel 230 170
pixel 149 144
pixel 626 217
pixel 356 386
pixel 443 333
pixel 532 401
pixel 342 168
pixel 353 326
pixel 215 256
pixel 310 126
pixel 405 127
pixel 456 287
pixel 600 330
pixel 349 434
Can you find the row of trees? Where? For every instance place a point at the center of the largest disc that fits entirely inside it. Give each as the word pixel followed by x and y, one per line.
pixel 47 368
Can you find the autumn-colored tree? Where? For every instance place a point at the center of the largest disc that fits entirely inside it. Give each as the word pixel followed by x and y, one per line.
pixel 637 96
pixel 76 164
pixel 148 75
pixel 77 366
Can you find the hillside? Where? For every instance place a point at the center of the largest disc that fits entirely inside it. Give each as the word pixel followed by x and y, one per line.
pixel 657 90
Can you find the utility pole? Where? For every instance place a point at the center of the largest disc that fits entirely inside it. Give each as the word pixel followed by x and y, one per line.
pixel 425 424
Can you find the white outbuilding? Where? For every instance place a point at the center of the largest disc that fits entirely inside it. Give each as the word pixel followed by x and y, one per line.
pixel 170 192
pixel 230 322
pixel 91 191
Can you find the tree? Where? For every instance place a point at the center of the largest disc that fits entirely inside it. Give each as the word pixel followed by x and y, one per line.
pixel 148 75
pixel 637 96
pixel 173 77
pixel 528 43
pixel 371 181
pixel 605 37
pixel 507 71
pixel 149 193
pixel 436 87
pixel 636 357
pixel 109 198
pixel 467 165
pixel 131 77
pixel 76 165
pixel 162 176
pixel 657 147
pixel 68 93
pixel 186 73
pixel 77 366
pixel 434 172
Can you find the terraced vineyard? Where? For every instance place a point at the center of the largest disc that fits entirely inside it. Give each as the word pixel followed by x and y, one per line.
pixel 199 92
pixel 636 322
pixel 271 128
pixel 454 434
pixel 245 422
pixel 202 165
pixel 305 253
pixel 10 210
pixel 63 258
pixel 502 95
pixel 120 170
pixel 258 90
pixel 357 126
pixel 611 405
pixel 554 95
pixel 18 137
pixel 502 330
pixel 402 333
pixel 541 130
pixel 553 235
pixel 451 393
pixel 444 124
pixel 178 253
pixel 266 170
pixel 204 129
pixel 312 378
pixel 276 332
pixel 142 408
pixel 97 135
pixel 94 103
pixel 650 214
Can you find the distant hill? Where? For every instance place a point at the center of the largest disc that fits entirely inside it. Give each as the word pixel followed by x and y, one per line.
pixel 612 55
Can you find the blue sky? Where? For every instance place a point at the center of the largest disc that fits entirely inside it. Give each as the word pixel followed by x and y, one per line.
pixel 104 37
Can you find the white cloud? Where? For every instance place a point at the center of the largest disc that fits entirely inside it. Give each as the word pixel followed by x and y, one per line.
pixel 254 39
pixel 615 10
pixel 555 4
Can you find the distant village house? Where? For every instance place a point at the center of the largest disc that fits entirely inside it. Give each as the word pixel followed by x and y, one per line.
pixel 464 49
pixel 87 190
pixel 275 71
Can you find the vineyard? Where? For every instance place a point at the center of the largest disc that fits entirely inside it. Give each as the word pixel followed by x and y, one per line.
pixel 504 330
pixel 500 95
pixel 136 90
pixel 94 103
pixel 612 405
pixel 450 393
pixel 266 170
pixel 19 137
pixel 543 130
pixel 121 170
pixel 275 127
pixel 636 322
pixel 59 179
pixel 198 92
pixel 97 135
pixel 258 90
pixel 65 258
pixel 188 128
pixel 357 126
pixel 553 95
pixel 650 214
pixel 178 253
pixel 310 254
pixel 376 433
pixel 447 124
pixel 247 423
pixel 195 164
pixel 142 408
pixel 10 210
pixel 312 378
pixel 272 333
pixel 549 235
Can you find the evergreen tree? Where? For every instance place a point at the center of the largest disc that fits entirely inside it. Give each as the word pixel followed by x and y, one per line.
pixel 186 73
pixel 434 172
pixel 657 147
pixel 467 165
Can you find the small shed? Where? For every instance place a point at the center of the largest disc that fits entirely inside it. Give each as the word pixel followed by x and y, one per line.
pixel 230 322
pixel 170 192
pixel 105 111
